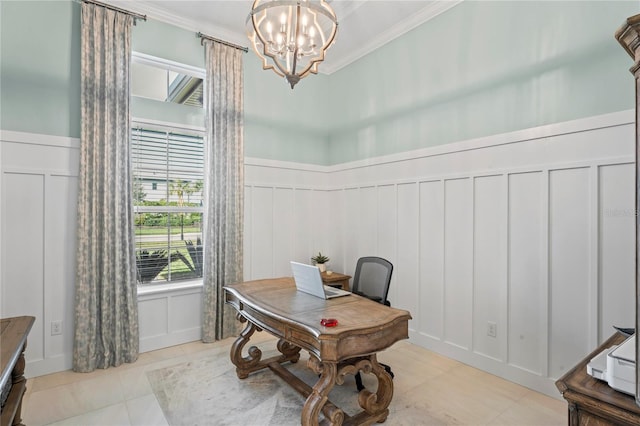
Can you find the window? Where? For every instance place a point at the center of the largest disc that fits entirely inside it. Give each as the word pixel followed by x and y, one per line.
pixel 166 81
pixel 168 177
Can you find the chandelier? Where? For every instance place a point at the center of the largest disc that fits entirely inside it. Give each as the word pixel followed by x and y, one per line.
pixel 291 36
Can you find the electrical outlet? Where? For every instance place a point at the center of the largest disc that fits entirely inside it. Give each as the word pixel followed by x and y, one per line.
pixel 56 328
pixel 492 329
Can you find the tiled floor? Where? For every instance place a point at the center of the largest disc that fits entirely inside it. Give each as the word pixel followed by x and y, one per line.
pixel 443 390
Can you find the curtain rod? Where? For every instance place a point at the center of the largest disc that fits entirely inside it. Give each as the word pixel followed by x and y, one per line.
pixel 117 9
pixel 226 43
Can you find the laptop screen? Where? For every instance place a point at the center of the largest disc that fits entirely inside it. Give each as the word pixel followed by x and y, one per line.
pixel 308 279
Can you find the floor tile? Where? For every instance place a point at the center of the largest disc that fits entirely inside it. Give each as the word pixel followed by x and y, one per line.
pixel 145 411
pixel 534 409
pixel 429 389
pixel 113 415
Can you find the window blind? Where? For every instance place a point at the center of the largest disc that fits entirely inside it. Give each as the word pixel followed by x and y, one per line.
pixel 168 171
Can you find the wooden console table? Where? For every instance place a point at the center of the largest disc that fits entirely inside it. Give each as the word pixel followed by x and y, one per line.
pixel 364 328
pixel 336 280
pixel 13 341
pixel 594 402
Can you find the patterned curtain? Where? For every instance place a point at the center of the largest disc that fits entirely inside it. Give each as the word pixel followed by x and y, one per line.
pixel 224 187
pixel 106 315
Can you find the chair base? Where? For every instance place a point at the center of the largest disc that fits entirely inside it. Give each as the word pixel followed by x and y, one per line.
pixel 358 378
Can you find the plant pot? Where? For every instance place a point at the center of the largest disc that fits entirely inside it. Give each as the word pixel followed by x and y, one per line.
pixel 322 267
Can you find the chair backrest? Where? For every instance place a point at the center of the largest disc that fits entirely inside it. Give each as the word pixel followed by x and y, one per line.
pixel 372 278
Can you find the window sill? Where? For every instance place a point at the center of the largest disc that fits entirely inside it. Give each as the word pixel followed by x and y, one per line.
pixel 152 289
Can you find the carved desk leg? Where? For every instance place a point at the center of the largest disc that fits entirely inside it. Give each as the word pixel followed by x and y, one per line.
pixel 319 395
pixel 245 365
pixel 253 361
pixel 377 404
pixel 289 351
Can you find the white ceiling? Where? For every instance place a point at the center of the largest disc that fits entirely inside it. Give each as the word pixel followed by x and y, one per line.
pixel 363 25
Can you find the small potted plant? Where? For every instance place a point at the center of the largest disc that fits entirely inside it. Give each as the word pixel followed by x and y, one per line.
pixel 319 260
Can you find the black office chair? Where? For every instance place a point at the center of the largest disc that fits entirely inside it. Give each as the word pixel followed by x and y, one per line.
pixel 371 280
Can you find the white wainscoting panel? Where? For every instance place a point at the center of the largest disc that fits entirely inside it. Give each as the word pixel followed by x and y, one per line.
pixel 284 235
pixel 490 266
pixel 569 268
pixel 532 231
pixel 60 224
pixel 351 235
pixel 458 262
pixel 306 225
pixel 616 247
pixel 431 248
pixel 406 263
pixel 170 318
pixel 23 250
pixel 390 220
pixel 366 216
pixel 38 250
pixel 262 229
pixel 527 284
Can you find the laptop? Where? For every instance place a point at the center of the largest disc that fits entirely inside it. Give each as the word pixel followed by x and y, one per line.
pixel 308 280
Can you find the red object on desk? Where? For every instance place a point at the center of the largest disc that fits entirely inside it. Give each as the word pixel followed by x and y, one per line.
pixel 329 322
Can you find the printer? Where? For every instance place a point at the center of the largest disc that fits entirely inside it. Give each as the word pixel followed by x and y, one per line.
pixel 617 366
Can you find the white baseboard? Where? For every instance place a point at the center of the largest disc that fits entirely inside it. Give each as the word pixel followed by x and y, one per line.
pixel 530 380
pixel 51 365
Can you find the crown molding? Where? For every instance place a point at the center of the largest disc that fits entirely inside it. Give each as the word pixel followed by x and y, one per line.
pixel 429 12
pixel 345 8
pixel 152 10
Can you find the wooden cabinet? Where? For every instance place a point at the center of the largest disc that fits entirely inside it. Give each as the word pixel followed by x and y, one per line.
pixel 628 35
pixel 594 402
pixel 13 341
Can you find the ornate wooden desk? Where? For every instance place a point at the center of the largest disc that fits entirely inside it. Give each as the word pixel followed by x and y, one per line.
pixel 364 328
pixel 13 341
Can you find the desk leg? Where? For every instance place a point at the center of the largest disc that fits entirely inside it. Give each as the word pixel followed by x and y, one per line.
pixel 377 404
pixel 253 362
pixel 320 394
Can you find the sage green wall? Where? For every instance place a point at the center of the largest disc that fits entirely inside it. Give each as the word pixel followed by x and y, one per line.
pixel 40 67
pixel 479 69
pixel 281 123
pixel 40 83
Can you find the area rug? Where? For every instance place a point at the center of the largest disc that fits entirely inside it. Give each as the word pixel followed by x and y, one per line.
pixel 207 392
